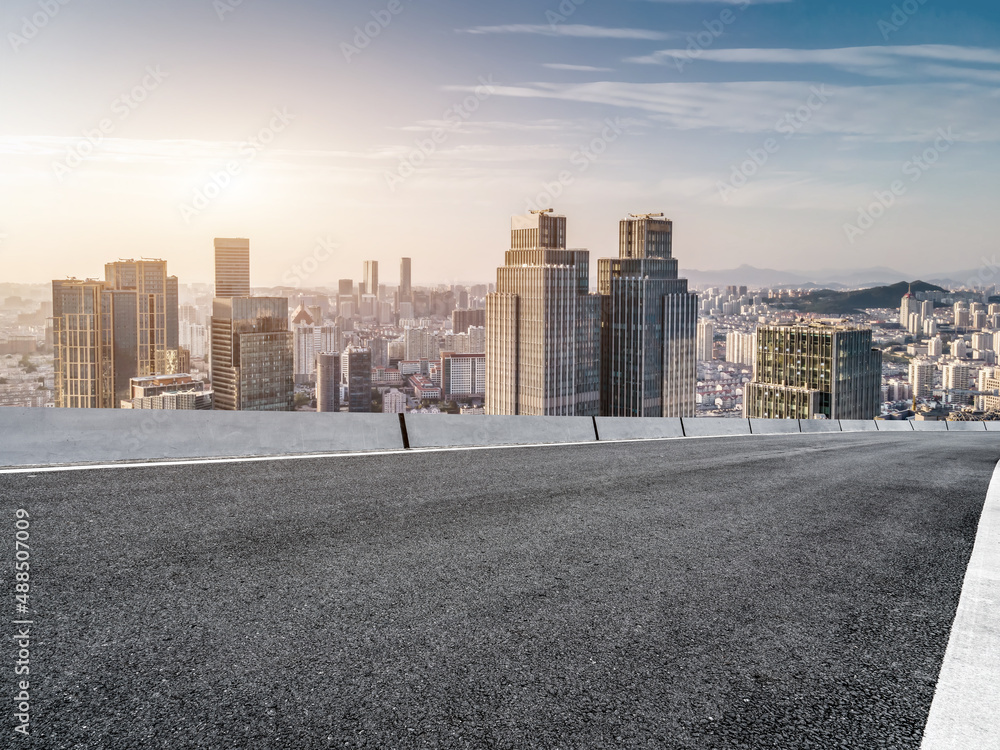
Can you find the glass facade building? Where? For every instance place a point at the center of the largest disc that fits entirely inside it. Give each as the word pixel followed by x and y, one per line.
pixel 815 371
pixel 252 354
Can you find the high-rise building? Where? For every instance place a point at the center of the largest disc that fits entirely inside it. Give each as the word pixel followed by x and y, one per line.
pixel 370 278
pixel 462 320
pixel 741 348
pixel 463 375
pixel 106 333
pixel 922 378
pixel 543 326
pixel 252 354
pixel 328 381
pixel 983 377
pixel 356 374
pixel 232 267
pixel 83 338
pixel 648 325
pixel 393 402
pixel 815 371
pixel 706 340
pixel 405 280
pixel 956 377
pixel 907 306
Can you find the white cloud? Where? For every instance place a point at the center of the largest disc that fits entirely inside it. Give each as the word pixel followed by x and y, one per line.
pixel 883 61
pixel 580 68
pixel 887 113
pixel 573 30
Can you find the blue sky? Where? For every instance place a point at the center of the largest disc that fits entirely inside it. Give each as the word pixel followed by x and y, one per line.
pixel 795 135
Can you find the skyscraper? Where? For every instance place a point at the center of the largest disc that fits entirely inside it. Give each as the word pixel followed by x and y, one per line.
pixel 648 325
pixel 106 333
pixel 405 280
pixel 356 373
pixel 922 378
pixel 232 267
pixel 706 340
pixel 371 278
pixel 252 354
pixel 543 325
pixel 328 381
pixel 815 371
pixel 82 332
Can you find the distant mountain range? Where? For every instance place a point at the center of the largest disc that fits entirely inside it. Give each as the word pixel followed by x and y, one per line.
pixel 835 279
pixel 829 302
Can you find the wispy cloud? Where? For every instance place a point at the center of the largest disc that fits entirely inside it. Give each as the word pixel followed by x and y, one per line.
pixel 573 30
pixel 884 61
pixel 868 113
pixel 580 68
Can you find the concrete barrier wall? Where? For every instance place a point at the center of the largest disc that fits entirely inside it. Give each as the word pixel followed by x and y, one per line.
pixel 627 428
pixel 43 436
pixel 894 425
pixel 774 426
pixel 820 425
pixel 858 425
pixel 966 426
pixel 445 431
pixel 66 436
pixel 716 427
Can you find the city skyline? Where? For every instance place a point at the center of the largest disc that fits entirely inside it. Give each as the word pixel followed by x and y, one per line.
pixel 767 130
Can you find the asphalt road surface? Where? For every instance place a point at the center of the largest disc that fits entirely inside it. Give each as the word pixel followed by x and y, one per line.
pixel 768 592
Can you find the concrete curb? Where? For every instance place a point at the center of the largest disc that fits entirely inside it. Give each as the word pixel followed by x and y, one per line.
pixel 966 702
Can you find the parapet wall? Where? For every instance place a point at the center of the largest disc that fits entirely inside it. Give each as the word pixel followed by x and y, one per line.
pixel 33 437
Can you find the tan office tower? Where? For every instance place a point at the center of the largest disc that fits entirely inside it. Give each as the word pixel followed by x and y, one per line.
pixel 83 344
pixel 405 280
pixel 156 317
pixel 232 267
pixel 370 278
pixel 106 333
pixel 815 371
pixel 252 354
pixel 543 326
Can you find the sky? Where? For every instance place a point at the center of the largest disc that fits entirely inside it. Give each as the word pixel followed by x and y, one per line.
pixel 787 134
